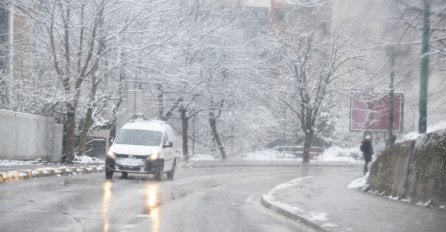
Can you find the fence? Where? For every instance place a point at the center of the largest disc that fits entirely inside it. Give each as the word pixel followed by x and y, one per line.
pixel 29 137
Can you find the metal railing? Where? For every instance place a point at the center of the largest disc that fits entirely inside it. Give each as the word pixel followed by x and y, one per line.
pixel 298 151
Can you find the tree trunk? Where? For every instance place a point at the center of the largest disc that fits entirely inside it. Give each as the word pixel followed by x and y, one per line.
pixel 216 135
pixel 84 134
pixel 4 99
pixel 118 104
pixel 88 117
pixel 307 145
pixel 69 135
pixel 185 126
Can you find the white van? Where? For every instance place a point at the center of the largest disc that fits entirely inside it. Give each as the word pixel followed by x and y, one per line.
pixel 143 147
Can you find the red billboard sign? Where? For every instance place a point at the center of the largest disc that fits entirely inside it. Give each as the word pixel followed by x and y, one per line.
pixel 372 113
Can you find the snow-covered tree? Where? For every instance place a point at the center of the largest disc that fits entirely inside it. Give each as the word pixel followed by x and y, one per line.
pixel 74 38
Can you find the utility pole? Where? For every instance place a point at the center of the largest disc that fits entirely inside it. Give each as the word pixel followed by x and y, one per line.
pixel 284 128
pixel 424 74
pixel 390 139
pixel 135 99
pixel 393 51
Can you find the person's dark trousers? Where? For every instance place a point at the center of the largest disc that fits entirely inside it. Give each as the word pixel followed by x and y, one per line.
pixel 366 168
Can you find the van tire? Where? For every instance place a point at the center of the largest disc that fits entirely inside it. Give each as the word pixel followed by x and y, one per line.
pixel 124 175
pixel 171 173
pixel 108 174
pixel 159 168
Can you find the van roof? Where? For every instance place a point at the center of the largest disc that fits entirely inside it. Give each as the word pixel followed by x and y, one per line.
pixel 146 125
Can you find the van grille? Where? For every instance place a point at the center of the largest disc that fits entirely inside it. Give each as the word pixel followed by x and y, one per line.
pixel 123 156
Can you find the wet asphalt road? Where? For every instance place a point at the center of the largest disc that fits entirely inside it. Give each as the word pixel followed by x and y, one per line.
pixel 199 199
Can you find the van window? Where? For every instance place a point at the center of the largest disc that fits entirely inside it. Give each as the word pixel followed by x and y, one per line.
pixel 139 137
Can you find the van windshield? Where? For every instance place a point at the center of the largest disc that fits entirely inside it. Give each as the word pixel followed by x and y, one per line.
pixel 139 137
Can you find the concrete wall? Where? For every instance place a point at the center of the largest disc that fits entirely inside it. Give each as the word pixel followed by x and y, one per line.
pixel 28 137
pixel 413 170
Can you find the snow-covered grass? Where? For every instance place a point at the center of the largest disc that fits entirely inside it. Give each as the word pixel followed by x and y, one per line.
pixel 77 160
pixel 340 154
pixel 202 157
pixel 6 163
pixel 269 154
pixel 84 159
pixel 332 154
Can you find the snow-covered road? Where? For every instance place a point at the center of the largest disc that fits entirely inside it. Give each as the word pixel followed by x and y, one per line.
pixel 199 199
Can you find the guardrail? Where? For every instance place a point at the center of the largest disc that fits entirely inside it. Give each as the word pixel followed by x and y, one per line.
pixel 298 151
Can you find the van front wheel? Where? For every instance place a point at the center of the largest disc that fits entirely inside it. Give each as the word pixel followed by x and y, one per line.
pixel 108 174
pixel 159 168
pixel 171 173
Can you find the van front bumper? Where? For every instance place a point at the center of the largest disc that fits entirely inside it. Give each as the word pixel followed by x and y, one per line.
pixel 140 166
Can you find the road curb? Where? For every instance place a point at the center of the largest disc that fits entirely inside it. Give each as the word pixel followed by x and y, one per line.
pixel 15 176
pixel 280 210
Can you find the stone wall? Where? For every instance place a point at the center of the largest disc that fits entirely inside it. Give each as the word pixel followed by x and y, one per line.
pixel 414 170
pixel 29 137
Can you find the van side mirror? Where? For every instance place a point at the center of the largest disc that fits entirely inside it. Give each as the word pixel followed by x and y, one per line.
pixel 169 144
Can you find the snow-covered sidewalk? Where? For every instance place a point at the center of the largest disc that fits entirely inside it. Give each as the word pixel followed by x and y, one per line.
pixel 12 170
pixel 324 201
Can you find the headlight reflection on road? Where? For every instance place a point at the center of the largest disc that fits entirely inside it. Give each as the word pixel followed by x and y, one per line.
pixel 106 199
pixel 152 192
pixel 152 199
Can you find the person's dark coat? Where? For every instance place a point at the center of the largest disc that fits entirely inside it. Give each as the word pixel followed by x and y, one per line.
pixel 367 150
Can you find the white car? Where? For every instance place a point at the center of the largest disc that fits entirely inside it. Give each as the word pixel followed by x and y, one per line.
pixel 142 147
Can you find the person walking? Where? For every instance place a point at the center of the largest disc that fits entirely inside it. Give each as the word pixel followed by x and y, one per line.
pixel 367 151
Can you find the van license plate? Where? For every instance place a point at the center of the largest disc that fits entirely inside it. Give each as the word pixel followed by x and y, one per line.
pixel 130 162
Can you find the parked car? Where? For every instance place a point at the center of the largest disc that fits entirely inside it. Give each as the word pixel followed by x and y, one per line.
pixel 143 147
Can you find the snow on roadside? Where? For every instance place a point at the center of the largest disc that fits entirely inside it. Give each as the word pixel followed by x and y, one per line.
pixel 308 215
pixel 414 135
pixel 439 126
pixel 202 157
pixel 291 183
pixel 360 183
pixel 15 162
pixel 318 217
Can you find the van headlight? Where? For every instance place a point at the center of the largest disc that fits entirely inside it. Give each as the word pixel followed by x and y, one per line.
pixel 154 155
pixel 111 154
